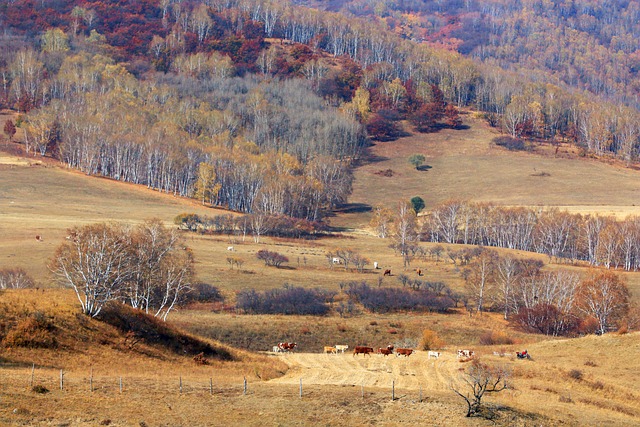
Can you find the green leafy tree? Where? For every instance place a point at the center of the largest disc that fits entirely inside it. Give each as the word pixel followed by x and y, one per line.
pixel 417 160
pixel 417 203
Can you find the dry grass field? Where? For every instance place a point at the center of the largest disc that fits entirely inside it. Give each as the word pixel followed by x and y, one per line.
pixel 466 165
pixel 41 198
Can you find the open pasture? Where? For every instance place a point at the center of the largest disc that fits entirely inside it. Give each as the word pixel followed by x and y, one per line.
pixel 467 165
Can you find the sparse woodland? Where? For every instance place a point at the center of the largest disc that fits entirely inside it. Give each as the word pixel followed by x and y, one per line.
pixel 265 107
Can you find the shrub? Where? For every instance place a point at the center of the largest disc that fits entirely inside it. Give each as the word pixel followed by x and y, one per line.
pixel 40 389
pixel 271 258
pixel 204 292
pixel 512 144
pixel 430 341
pixel 496 338
pixel 288 300
pixel 384 300
pixel 35 331
pixel 576 374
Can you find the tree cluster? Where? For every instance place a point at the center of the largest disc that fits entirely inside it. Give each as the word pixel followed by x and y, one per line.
pixel 553 303
pixel 598 240
pixel 145 266
pixel 287 300
pixel 391 299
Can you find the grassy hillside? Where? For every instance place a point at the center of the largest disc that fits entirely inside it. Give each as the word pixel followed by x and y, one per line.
pixel 467 165
pixel 40 198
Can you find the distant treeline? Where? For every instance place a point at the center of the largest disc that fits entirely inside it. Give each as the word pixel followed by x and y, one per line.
pixel 599 240
pixel 256 225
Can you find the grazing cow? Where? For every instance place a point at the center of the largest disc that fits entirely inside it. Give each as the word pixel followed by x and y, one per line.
pixel 276 349
pixel 341 347
pixel 39 238
pixel 434 354
pixel 331 350
pixel 465 353
pixel 406 352
pixel 524 355
pixel 387 273
pixel 230 248
pixel 287 346
pixel 362 350
pixel 375 265
pixel 419 272
pixel 336 260
pixel 386 351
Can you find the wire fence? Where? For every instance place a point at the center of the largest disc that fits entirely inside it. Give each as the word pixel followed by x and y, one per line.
pixel 46 380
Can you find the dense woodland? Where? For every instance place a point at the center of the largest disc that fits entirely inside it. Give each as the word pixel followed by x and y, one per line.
pixel 264 106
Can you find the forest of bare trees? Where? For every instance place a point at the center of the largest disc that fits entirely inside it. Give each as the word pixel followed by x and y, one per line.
pixel 599 240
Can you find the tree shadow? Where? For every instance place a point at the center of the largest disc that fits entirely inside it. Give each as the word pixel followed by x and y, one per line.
pixel 348 208
pixel 424 167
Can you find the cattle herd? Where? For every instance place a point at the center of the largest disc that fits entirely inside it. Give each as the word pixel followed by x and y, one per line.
pixel 390 349
pixel 366 351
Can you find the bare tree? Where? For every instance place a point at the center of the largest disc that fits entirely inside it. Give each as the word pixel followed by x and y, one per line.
pixel 95 262
pixel 478 380
pixel 480 277
pixel 605 297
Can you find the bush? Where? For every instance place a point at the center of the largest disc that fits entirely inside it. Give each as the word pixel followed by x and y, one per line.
pixel 512 144
pixel 271 257
pixel 496 338
pixel 384 300
pixel 35 331
pixel 40 389
pixel 288 300
pixel 576 374
pixel 430 341
pixel 204 292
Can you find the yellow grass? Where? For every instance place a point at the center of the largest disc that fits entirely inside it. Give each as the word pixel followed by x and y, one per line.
pixel 465 164
pixel 40 198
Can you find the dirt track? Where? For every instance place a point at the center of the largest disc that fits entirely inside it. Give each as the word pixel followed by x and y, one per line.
pixel 371 371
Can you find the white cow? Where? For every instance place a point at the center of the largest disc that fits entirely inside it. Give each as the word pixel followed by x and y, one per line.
pixel 276 349
pixel 341 348
pixel 434 354
pixel 230 249
pixel 465 353
pixel 335 260
pixel 375 265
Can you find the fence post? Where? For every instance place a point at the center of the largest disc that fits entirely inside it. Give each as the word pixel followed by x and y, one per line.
pixel 120 384
pixel 211 386
pixel 91 380
pixel 180 384
pixel 33 370
pixel 61 380
pixel 300 388
pixel 362 390
pixel 393 390
pixel 245 386
pixel 420 400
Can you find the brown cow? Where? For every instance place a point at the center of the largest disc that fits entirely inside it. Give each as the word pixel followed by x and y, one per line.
pixel 387 273
pixel 385 351
pixel 287 346
pixel 406 352
pixel 419 272
pixel 329 349
pixel 362 350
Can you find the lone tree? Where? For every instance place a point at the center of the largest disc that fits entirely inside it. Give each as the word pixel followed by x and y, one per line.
pixel 478 380
pixel 417 203
pixel 417 160
pixel 271 258
pixel 9 129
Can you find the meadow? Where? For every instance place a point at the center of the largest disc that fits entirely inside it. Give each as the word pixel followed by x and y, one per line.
pixel 39 197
